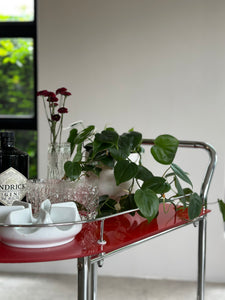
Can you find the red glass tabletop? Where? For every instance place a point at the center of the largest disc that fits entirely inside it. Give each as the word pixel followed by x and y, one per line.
pixel 119 232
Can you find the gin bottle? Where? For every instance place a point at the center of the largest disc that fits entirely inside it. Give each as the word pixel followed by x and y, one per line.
pixel 14 166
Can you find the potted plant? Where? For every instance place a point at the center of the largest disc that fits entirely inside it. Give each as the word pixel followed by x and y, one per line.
pixel 92 153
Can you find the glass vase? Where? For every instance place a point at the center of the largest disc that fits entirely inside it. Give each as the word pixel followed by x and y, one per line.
pixel 58 154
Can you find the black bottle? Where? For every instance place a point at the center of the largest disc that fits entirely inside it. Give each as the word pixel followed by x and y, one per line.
pixel 14 166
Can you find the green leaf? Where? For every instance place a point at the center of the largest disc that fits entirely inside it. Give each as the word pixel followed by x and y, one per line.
pixel 169 174
pixel 72 170
pixel 89 147
pixel 127 143
pixel 136 138
pixel 180 173
pixel 187 191
pixel 195 206
pixel 124 145
pixel 222 208
pixel 119 154
pixel 91 168
pixel 84 134
pixel 143 173
pixel 3 52
pixel 148 203
pixel 184 194
pixel 104 141
pixel 98 148
pixel 108 137
pixel 124 171
pixel 99 154
pixel 133 138
pixel 106 206
pixel 180 192
pixel 107 161
pixel 157 184
pixel 127 202
pixel 110 129
pixel 71 138
pixel 178 186
pixel 78 155
pixel 164 149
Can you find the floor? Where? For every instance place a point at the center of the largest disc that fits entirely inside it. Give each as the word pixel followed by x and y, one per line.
pixel 49 287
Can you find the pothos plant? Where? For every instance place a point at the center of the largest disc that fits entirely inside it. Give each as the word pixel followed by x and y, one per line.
pixel 222 208
pixel 91 152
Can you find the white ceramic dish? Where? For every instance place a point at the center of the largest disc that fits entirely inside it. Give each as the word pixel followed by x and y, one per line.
pixel 39 237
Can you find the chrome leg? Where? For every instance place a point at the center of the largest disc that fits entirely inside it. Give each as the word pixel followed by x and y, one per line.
pixel 92 289
pixel 201 258
pixel 82 269
pixel 87 279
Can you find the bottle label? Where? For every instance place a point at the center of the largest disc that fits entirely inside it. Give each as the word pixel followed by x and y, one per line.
pixel 12 186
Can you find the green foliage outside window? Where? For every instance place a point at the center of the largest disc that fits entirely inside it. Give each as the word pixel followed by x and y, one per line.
pixel 16 77
pixel 17 89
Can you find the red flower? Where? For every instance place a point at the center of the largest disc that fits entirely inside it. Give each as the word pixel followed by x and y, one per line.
pixel 51 94
pixel 43 93
pixel 61 91
pixel 63 110
pixel 66 93
pixel 55 117
pixel 52 99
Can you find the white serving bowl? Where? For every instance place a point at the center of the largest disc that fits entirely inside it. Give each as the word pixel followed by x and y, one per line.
pixel 39 237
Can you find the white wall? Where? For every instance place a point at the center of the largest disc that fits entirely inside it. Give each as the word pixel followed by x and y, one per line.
pixel 157 66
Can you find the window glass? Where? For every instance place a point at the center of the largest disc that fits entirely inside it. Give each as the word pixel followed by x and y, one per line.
pixel 16 10
pixel 16 77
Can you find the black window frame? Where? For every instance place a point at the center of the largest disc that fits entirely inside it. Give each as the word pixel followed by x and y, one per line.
pixel 23 29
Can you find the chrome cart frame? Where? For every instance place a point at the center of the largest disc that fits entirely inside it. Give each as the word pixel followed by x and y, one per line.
pixel 87 266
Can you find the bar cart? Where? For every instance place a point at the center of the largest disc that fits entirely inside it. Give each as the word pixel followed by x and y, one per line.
pixel 101 238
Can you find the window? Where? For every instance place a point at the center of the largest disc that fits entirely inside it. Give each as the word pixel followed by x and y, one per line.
pixel 18 74
pixel 17 10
